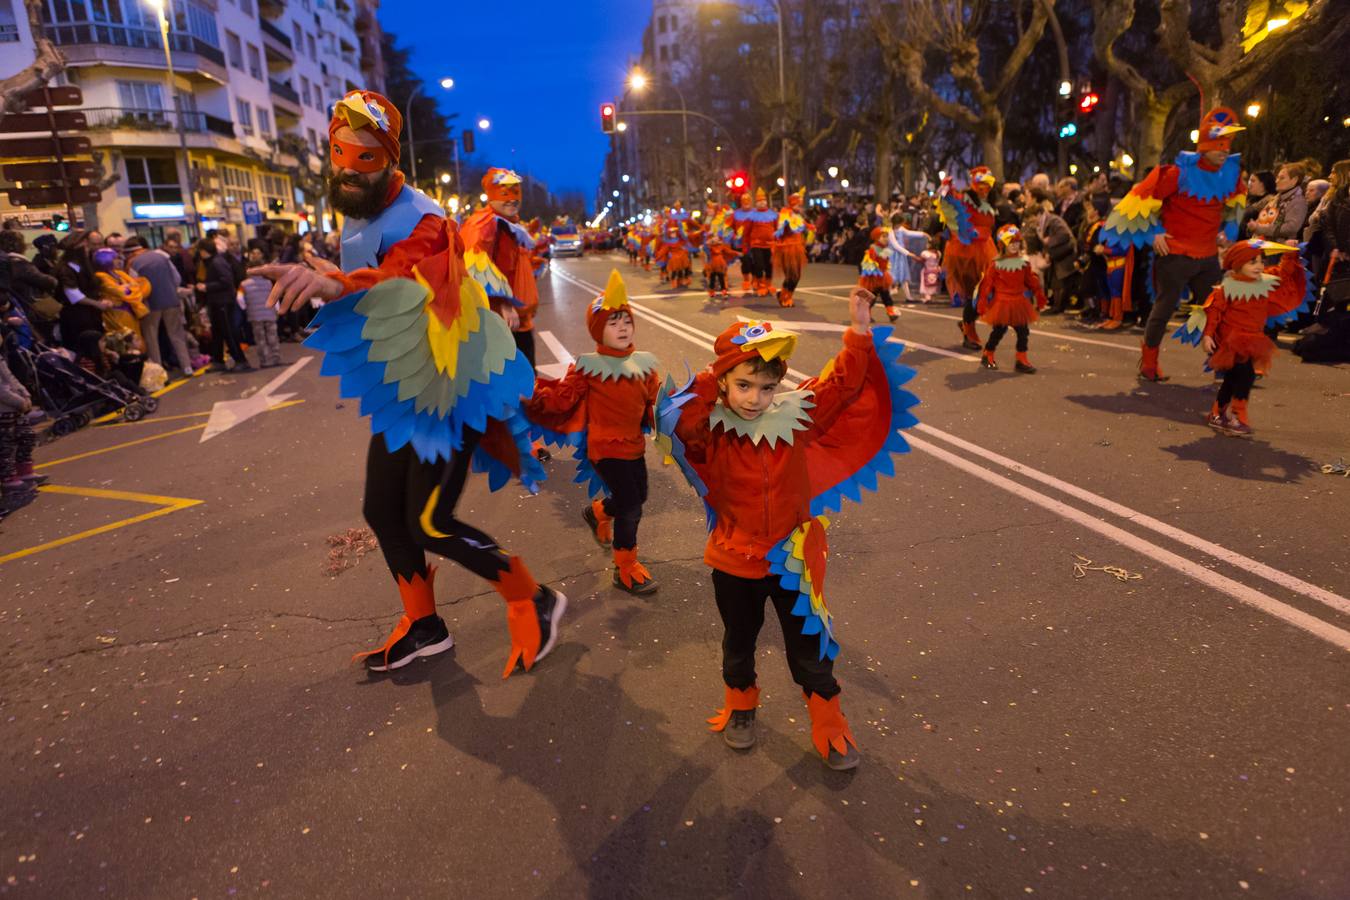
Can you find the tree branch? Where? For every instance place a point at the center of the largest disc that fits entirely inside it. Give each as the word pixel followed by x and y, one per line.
pixel 48 62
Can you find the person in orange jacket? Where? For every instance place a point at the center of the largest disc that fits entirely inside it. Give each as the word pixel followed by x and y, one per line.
pixel 768 465
pixel 1007 290
pixel 496 231
pixel 1250 298
pixel 874 272
pixel 760 224
pixel 789 253
pixel 601 406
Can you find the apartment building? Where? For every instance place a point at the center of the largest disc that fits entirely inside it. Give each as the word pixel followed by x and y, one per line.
pixel 241 116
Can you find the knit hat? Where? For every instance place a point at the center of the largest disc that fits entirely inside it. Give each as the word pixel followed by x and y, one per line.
pixel 1242 252
pixel 1217 129
pixel 613 300
pixel 744 341
pixel 501 184
pixel 367 109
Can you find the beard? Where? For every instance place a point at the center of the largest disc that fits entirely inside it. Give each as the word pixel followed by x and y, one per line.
pixel 364 205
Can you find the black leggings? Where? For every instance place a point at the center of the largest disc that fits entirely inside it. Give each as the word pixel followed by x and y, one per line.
pixel 998 331
pixel 1237 383
pixel 627 483
pixel 969 312
pixel 758 262
pixel 397 487
pixel 224 335
pixel 717 281
pixel 741 604
pixel 525 344
pixel 882 296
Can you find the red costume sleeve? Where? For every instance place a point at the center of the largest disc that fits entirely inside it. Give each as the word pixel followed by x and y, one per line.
pixel 432 235
pixel 559 405
pixel 1293 287
pixel 693 429
pixel 1033 284
pixel 1215 307
pixel 840 383
pixel 1159 184
pixel 986 290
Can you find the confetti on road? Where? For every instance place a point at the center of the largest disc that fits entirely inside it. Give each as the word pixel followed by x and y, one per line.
pixel 1084 565
pixel 347 549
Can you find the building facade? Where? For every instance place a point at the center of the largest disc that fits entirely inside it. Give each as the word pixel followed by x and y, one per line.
pixel 237 115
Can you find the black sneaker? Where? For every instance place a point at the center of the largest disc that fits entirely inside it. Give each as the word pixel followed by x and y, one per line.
pixel 1024 368
pixel 549 606
pixel 543 455
pixel 740 731
pixel 427 637
pixel 638 588
pixel 243 367
pixel 594 523
pixel 842 762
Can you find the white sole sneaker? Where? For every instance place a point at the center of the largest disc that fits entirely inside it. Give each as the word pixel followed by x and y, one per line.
pixel 428 650
pixel 559 607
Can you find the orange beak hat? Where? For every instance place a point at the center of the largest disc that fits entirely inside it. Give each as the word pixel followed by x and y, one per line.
pixel 796 198
pixel 981 177
pixel 365 110
pixel 1007 234
pixel 760 195
pixel 744 341
pixel 1217 129
pixel 613 300
pixel 502 185
pixel 1242 252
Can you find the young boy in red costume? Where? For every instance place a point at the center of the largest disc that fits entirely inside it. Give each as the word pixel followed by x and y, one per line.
pixel 601 407
pixel 1250 298
pixel 1005 300
pixel 719 256
pixel 874 274
pixel 768 465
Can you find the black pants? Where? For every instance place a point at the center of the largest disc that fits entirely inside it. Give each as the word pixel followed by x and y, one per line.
pixel 758 262
pixel 882 296
pixel 1171 274
pixel 717 281
pixel 525 344
pixel 996 334
pixel 224 335
pixel 627 483
pixel 741 604
pixel 1237 383
pixel 397 487
pixel 969 312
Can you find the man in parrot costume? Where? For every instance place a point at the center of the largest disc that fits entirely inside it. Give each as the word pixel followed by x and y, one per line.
pixel 761 223
pixel 768 466
pixel 969 220
pixel 413 337
pixel 496 232
pixel 1178 210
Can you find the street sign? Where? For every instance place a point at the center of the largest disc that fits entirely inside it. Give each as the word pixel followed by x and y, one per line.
pixel 43 147
pixel 252 215
pixel 50 171
pixel 54 196
pixel 66 120
pixel 54 95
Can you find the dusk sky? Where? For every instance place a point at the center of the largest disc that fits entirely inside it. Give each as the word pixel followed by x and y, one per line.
pixel 538 70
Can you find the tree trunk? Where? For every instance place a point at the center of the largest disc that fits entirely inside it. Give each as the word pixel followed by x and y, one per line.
pixel 1152 126
pixel 882 174
pixel 991 145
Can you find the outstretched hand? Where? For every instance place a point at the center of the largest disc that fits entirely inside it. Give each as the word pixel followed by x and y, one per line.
pixel 860 309
pixel 295 285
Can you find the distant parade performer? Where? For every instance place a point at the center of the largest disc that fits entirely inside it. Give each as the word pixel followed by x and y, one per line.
pixel 1178 210
pixel 1249 299
pixel 739 224
pixel 496 231
pixel 1112 270
pixel 969 220
pixel 673 256
pixel 406 328
pixel 874 274
pixel 789 249
pixel 602 407
pixel 719 257
pixel 769 466
pixel 1007 291
pixel 539 253
pixel 758 237
pixel 694 233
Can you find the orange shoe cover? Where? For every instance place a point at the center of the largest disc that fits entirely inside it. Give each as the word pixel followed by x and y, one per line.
pixel 829 728
pixel 785 297
pixel 604 522
pixel 419 601
pixel 737 700
pixel 1240 410
pixel 968 329
pixel 630 570
pixel 518 587
pixel 1148 363
pixel 1022 358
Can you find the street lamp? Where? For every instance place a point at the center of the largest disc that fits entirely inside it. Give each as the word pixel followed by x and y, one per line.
pixel 782 84
pixel 833 171
pixel 843 183
pixel 484 124
pixel 184 180
pixel 445 178
pixel 446 83
pixel 1253 110
pixel 625 179
pixel 621 126
pixel 638 82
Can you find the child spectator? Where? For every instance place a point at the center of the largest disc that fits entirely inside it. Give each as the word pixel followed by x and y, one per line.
pixel 262 319
pixel 1005 298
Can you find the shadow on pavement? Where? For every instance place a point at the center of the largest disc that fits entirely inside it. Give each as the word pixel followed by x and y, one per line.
pixel 1187 404
pixel 1250 460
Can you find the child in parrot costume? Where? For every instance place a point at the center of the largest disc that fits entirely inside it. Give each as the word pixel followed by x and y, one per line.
pixel 673 256
pixel 739 224
pixel 791 235
pixel 874 274
pixel 719 257
pixel 768 467
pixel 969 220
pixel 602 406
pixel 1111 270
pixel 1007 290
pixel 1231 324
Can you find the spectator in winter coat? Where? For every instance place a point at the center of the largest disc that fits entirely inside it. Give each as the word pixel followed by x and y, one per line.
pixel 262 319
pixel 1282 220
pixel 164 306
pixel 27 285
pixel 82 310
pixel 216 291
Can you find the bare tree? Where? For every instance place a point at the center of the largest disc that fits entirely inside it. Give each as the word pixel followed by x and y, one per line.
pixel 48 62
pixel 912 29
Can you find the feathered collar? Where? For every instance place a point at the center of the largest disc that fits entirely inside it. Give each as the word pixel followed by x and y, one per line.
pixel 638 364
pixel 780 422
pixel 518 231
pixel 1241 289
pixel 762 215
pixel 1010 263
pixel 1196 181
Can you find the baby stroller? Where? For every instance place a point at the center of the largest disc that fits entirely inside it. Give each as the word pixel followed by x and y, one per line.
pixel 73 396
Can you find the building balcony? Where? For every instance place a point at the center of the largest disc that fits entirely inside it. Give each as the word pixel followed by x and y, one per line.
pixel 272 9
pixel 123 118
pixel 89 43
pixel 285 100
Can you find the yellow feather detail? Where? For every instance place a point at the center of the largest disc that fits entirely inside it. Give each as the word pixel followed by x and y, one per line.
pixel 1133 206
pixel 616 292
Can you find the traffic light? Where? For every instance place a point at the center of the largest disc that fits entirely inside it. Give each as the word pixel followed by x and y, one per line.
pixel 1088 102
pixel 59 223
pixel 607 117
pixel 1068 130
pixel 467 140
pixel 737 182
pixel 276 206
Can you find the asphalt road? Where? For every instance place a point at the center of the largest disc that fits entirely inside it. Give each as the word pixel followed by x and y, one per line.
pixel 181 718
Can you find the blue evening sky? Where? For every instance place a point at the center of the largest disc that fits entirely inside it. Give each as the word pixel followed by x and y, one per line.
pixel 537 70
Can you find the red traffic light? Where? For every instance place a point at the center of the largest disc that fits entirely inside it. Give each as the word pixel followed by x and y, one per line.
pixel 1089 102
pixel 607 118
pixel 607 109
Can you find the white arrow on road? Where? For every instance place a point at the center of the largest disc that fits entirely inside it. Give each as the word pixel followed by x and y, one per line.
pixel 228 413
pixel 564 359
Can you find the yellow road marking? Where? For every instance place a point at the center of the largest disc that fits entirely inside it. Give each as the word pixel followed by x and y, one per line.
pixel 166 505
pixel 144 440
pixel 153 419
pixel 108 417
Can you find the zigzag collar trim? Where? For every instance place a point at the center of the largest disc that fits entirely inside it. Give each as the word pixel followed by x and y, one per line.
pixel 1205 184
pixel 638 364
pixel 780 422
pixel 1240 289
pixel 1010 263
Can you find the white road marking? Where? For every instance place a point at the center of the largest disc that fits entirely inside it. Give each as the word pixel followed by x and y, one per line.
pixel 1241 592
pixel 228 413
pixel 840 329
pixel 564 359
